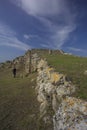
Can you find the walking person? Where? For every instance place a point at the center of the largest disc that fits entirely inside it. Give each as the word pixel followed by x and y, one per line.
pixel 14 72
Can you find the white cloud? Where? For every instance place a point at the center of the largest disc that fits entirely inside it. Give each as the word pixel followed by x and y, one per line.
pixel 30 36
pixel 62 35
pixel 41 7
pixel 26 36
pixel 8 38
pixel 45 11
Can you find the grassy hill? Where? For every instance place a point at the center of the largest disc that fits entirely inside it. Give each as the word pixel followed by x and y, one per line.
pixel 74 67
pixel 19 109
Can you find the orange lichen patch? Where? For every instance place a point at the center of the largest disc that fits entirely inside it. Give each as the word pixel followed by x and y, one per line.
pixel 55 77
pixel 49 69
pixel 69 129
pixel 71 102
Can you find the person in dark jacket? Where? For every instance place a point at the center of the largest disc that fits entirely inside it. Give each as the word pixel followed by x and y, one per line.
pixel 14 72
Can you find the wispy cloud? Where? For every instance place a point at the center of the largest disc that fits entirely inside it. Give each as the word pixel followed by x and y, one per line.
pixel 46 11
pixel 76 49
pixel 26 36
pixel 62 35
pixel 9 38
pixel 40 7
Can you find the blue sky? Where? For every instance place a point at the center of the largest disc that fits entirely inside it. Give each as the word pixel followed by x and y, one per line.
pixel 54 24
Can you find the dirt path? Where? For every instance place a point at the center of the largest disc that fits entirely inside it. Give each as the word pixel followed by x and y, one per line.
pixel 19 108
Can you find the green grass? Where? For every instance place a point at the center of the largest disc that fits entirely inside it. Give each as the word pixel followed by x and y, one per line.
pixel 74 68
pixel 19 109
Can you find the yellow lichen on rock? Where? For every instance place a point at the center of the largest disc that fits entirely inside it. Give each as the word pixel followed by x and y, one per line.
pixel 71 102
pixel 48 71
pixel 55 77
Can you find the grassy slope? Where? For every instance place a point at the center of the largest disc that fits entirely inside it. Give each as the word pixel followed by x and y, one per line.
pixel 74 68
pixel 19 108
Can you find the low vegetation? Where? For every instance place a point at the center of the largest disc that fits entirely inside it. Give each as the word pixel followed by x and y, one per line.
pixel 74 67
pixel 19 108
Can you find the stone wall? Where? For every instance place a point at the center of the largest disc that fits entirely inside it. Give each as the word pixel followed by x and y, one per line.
pixel 54 93
pixel 31 59
pixel 27 63
pixel 24 64
pixel 18 62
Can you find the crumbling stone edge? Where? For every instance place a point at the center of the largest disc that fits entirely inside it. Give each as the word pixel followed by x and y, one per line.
pixel 56 103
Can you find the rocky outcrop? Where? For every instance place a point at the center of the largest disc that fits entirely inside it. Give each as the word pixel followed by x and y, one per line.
pixel 54 92
pixel 31 60
pixel 27 63
pixel 6 65
pixel 71 115
pixel 24 64
pixel 18 62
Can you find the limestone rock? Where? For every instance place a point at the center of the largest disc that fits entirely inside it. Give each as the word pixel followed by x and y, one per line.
pixel 63 90
pixel 71 115
pixel 43 108
pixel 53 91
pixel 55 102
